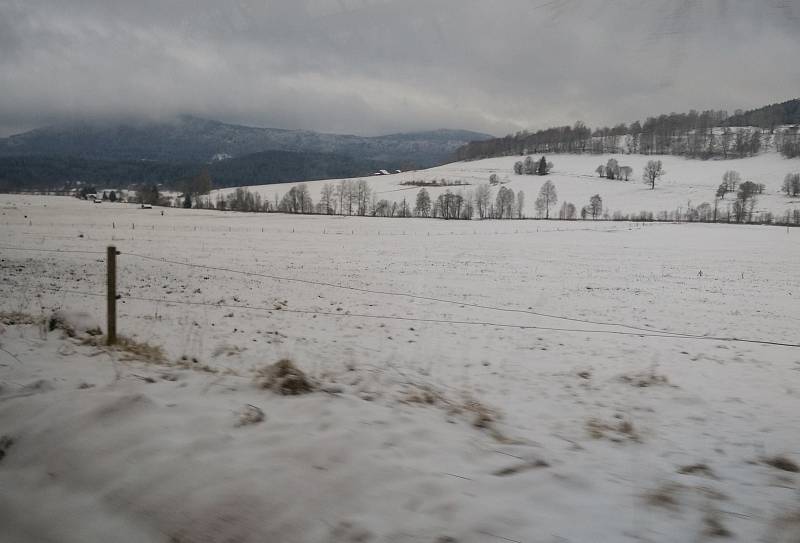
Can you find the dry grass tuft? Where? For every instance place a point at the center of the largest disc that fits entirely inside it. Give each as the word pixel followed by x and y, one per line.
pixel 227 350
pixel 645 379
pixel 10 318
pixel 482 416
pixel 479 414
pixel 249 414
pixel 58 321
pixel 194 364
pixel 664 496
pixel 714 526
pixel 513 470
pixel 622 431
pixel 697 469
pixel 134 350
pixel 283 377
pixel 422 395
pixel 781 462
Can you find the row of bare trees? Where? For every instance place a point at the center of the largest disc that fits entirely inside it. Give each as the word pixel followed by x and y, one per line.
pixel 697 135
pixel 529 166
pixel 357 198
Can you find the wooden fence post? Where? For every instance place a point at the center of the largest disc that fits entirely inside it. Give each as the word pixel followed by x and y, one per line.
pixel 111 294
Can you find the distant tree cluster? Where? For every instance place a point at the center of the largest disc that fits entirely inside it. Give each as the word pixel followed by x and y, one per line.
pixel 706 134
pixel 594 209
pixel 356 197
pixel 791 184
pixel 768 117
pixel 149 194
pixel 434 182
pixel 194 187
pixel 297 200
pixel 451 205
pixel 244 200
pixel 788 142
pixel 529 166
pixel 612 170
pixel 743 205
pixel 568 212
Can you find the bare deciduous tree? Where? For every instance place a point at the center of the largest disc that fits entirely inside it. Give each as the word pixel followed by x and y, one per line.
pixel 505 203
pixel 652 172
pixel 731 179
pixel 528 166
pixel 612 168
pixel 567 211
pixel 483 198
pixel 326 199
pixel 595 206
pixel 423 207
pixel 547 199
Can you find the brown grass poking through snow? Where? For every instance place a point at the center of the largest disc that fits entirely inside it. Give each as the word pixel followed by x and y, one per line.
pixel 248 415
pixel 645 379
pixel 519 468
pixel 10 318
pixel 623 430
pixel 782 462
pixel 134 350
pixel 284 378
pixel 697 469
pixel 714 527
pixel 422 394
pixel 666 496
pixel 58 321
pixel 477 413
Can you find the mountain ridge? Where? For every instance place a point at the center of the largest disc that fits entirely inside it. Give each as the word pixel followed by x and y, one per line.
pixel 187 138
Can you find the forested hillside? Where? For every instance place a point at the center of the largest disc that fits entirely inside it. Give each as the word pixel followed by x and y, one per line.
pixel 704 135
pixel 35 172
pixel 192 139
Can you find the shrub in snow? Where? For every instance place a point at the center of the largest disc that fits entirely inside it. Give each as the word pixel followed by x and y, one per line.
pixel 284 378
pixel 73 323
pixel 249 414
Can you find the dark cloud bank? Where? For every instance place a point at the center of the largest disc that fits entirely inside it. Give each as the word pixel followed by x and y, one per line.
pixel 381 66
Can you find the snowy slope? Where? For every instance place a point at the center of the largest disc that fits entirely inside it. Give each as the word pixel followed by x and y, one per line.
pixel 596 432
pixel 686 181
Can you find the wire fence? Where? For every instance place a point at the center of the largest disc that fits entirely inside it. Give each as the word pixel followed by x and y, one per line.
pixel 607 327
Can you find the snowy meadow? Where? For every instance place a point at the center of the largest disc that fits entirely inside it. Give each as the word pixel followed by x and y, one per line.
pixel 468 381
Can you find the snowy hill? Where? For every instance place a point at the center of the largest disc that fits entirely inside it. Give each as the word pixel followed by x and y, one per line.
pixel 574 176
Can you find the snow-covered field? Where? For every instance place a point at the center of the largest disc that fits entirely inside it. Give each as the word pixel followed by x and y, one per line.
pixel 523 381
pixel 686 182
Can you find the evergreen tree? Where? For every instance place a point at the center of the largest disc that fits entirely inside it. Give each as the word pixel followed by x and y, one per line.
pixel 542 169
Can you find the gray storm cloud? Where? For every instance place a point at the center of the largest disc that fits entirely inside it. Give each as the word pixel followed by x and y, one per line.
pixel 380 66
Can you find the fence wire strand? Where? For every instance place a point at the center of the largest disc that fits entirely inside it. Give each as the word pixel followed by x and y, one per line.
pixel 634 330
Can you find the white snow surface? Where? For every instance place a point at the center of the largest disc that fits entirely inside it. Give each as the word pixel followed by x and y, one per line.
pixel 686 181
pixel 108 447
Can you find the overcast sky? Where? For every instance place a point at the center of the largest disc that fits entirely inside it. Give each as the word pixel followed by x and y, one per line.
pixel 382 66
